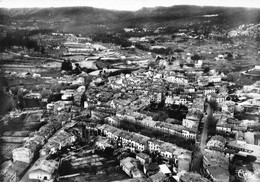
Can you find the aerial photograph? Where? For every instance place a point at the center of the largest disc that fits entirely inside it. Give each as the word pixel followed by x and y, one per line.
pixel 129 91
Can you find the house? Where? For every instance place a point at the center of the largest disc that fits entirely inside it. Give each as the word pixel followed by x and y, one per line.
pixel 154 145
pixel 167 150
pixel 67 94
pixel 190 133
pixel 208 90
pixel 169 100
pixel 148 122
pixel 143 158
pixel 189 89
pixel 130 167
pixel 129 30
pixel 165 170
pixel 184 161
pixel 197 105
pixel 102 143
pixel 190 121
pixel 170 128
pixel 183 100
pixel 113 120
pixel 214 79
pixel 49 147
pixel 33 96
pixel 63 138
pixel 198 64
pixel 43 170
pixel 139 141
pixel 217 141
pixel 23 154
pixel 176 79
pixel 110 131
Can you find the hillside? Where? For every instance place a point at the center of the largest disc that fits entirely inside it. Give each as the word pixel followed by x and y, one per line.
pixel 89 20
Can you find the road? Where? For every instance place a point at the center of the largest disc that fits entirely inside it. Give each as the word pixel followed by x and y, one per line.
pixel 197 160
pixel 204 135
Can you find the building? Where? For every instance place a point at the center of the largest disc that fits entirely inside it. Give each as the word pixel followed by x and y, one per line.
pixel 23 154
pixel 113 120
pixel 43 169
pixel 217 141
pixel 190 121
pixel 214 79
pixel 165 170
pixel 216 165
pixel 218 174
pixel 190 176
pixel 143 158
pixel 245 149
pixel 7 173
pixel 102 143
pixel 184 161
pixel 129 166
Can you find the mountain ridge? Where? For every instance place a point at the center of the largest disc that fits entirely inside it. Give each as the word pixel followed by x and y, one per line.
pixel 79 18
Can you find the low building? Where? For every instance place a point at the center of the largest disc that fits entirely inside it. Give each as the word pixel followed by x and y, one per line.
pixel 7 173
pixel 217 141
pixel 43 170
pixel 129 166
pixel 165 170
pixel 20 168
pixel 23 154
pixel 245 149
pixel 158 177
pixel 184 161
pixel 143 158
pixel 190 121
pixel 216 165
pixel 218 174
pixel 190 176
pixel 102 143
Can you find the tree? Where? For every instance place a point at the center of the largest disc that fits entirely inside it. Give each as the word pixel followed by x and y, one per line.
pixel 213 104
pixel 212 122
pixel 206 69
pixel 196 57
pixel 232 77
pixel 224 67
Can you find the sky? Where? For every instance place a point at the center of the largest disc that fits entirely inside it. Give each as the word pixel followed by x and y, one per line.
pixel 130 5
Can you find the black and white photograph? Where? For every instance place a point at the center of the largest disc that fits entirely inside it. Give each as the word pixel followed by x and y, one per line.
pixel 129 90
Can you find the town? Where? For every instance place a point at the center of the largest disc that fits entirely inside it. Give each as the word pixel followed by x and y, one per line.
pixel 157 107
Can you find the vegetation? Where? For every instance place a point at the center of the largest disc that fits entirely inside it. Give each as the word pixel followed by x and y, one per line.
pixel 224 67
pixel 212 122
pixel 110 38
pixel 213 104
pixel 18 38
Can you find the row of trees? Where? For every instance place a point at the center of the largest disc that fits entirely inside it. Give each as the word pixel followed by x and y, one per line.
pixel 19 38
pixel 111 38
pixel 153 133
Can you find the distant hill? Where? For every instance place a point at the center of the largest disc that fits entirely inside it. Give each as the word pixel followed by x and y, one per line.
pixel 89 20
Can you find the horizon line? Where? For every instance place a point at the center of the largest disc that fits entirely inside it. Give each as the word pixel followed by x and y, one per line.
pixel 82 6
